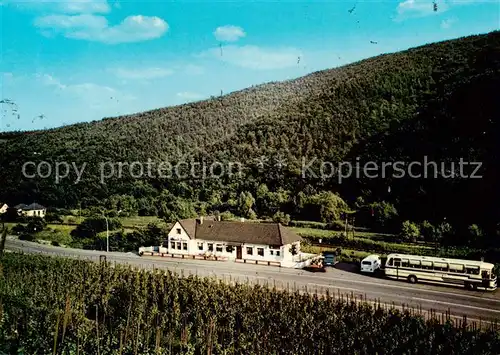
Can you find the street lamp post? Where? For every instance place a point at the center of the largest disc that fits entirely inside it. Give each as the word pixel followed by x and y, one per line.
pixel 107 233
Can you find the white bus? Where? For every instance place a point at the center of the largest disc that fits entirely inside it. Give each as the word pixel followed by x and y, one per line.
pixel 471 274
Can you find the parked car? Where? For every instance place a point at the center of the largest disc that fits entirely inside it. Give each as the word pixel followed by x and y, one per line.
pixel 371 264
pixel 329 258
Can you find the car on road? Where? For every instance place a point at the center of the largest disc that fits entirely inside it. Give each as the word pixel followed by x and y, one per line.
pixel 329 258
pixel 371 264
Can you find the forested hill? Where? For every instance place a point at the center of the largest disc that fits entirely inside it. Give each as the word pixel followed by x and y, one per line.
pixel 438 100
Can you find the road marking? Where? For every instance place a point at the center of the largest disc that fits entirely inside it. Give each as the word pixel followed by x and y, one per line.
pixel 456 304
pixel 338 287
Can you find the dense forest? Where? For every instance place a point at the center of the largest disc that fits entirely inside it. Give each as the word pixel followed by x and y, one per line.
pixel 438 101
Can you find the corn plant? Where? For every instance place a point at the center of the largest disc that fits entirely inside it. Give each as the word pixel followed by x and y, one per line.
pixel 52 305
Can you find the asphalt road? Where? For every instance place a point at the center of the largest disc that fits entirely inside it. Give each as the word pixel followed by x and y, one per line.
pixel 476 305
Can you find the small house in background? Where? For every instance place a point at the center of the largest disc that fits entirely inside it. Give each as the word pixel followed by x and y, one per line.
pixel 3 207
pixel 33 210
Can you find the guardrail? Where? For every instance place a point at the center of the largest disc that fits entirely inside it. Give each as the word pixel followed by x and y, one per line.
pixel 259 262
pixel 182 256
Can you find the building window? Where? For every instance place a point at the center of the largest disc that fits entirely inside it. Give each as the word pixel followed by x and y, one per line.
pixel 271 252
pixel 260 251
pixel 277 253
pixel 178 231
pixel 172 245
pixel 185 246
pixel 210 247
pixel 200 246
pixel 179 245
pixel 229 249
pixel 218 248
pixel 249 250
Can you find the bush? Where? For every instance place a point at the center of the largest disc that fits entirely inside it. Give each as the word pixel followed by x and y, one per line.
pixel 91 226
pixel 308 224
pixel 339 226
pixel 226 216
pixel 27 237
pixel 35 225
pixel 409 231
pixel 428 231
pixel 55 236
pixel 280 217
pixel 52 217
pixel 19 229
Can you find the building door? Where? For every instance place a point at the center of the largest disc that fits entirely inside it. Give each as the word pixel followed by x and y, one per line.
pixel 238 253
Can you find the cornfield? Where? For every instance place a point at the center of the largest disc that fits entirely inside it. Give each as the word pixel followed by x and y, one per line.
pixel 61 306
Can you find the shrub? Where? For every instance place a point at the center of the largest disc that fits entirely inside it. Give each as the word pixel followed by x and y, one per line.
pixel 19 229
pixel 409 231
pixel 280 217
pixel 27 237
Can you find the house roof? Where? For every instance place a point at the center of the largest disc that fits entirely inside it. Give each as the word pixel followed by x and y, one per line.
pixel 239 232
pixel 32 207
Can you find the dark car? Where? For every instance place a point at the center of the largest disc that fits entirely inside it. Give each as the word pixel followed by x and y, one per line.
pixel 329 259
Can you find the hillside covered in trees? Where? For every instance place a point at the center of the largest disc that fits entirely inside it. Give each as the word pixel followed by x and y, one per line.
pixel 438 101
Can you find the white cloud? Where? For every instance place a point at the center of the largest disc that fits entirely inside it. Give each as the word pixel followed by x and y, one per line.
pixel 192 69
pixel 84 6
pixel 96 28
pixel 93 94
pixel 63 6
pixel 420 8
pixel 229 33
pixel 69 23
pixel 190 95
pixel 445 24
pixel 142 73
pixel 253 57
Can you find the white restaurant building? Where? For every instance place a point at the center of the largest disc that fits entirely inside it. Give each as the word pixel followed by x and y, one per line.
pixel 269 243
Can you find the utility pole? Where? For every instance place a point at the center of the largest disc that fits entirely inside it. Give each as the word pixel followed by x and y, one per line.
pixel 2 240
pixel 346 225
pixel 107 232
pixel 107 235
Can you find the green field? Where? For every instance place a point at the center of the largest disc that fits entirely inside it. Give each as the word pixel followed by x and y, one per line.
pixel 128 222
pixel 141 221
pixel 61 233
pixel 326 232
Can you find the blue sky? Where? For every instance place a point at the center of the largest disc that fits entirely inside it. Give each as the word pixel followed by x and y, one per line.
pixel 65 62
